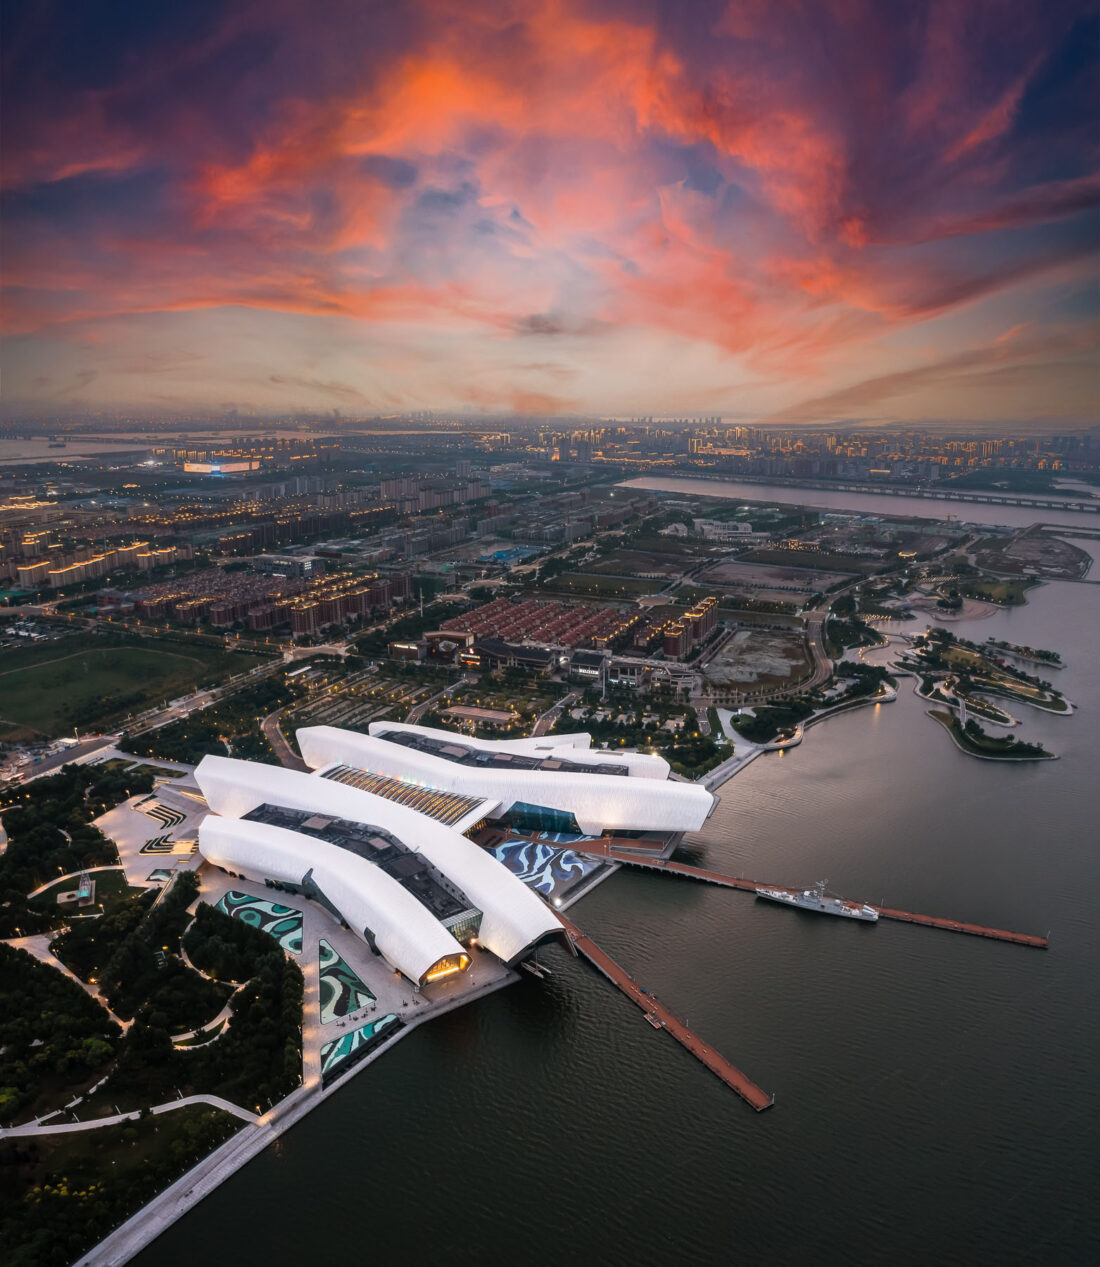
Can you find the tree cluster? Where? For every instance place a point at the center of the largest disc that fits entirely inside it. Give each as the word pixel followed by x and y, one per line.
pixel 258 1059
pixel 232 722
pixel 49 1029
pixel 226 948
pixel 770 720
pixel 50 834
pixel 57 1210
pixel 132 954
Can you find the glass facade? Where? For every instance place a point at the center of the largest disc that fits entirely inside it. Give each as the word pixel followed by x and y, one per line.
pixel 527 817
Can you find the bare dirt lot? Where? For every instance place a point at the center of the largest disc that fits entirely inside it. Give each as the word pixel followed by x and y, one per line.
pixel 759 658
pixel 763 576
pixel 643 563
pixel 1035 553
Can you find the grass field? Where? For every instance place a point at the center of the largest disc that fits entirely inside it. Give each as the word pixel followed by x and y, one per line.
pixel 111 891
pixel 584 583
pixel 65 1192
pixel 48 689
pixel 819 560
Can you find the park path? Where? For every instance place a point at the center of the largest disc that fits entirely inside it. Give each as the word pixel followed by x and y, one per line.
pixel 64 1128
pixel 39 946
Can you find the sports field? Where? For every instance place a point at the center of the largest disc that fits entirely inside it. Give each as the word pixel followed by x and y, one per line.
pixel 48 689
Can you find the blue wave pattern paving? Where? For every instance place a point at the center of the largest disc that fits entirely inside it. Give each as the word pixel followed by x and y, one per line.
pixel 342 992
pixel 283 923
pixel 548 869
pixel 348 1049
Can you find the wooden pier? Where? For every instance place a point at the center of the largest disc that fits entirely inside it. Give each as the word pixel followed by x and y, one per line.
pixel 604 850
pixel 661 1018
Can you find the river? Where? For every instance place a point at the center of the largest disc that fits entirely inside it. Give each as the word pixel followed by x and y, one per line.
pixel 936 1095
pixel 867 503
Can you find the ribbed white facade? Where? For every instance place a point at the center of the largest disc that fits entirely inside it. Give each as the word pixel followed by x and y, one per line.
pixel 599 802
pixel 643 765
pixel 406 934
pixel 513 917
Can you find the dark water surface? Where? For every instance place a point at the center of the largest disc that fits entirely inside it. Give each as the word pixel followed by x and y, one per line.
pixel 936 1098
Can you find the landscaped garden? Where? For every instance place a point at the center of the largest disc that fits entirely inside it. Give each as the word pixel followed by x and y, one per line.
pixel 50 835
pixel 973 739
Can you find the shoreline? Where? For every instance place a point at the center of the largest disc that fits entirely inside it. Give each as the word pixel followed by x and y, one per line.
pixel 206 1176
pixel 781 745
pixel 143 1227
pixel 983 756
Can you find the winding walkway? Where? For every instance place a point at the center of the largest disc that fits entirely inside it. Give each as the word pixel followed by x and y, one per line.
pixel 64 1128
pixel 39 946
pixel 74 875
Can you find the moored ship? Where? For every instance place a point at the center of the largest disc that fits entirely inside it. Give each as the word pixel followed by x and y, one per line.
pixel 815 899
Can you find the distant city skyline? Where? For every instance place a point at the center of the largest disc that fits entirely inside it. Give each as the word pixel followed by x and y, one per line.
pixel 836 213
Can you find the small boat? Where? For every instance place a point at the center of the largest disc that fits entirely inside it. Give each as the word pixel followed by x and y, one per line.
pixel 654 1020
pixel 814 899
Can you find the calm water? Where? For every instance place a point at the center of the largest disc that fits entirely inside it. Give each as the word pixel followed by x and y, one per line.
pixel 868 503
pixel 936 1098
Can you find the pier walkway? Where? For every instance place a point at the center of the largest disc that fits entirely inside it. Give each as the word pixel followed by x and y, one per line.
pixel 604 850
pixel 661 1018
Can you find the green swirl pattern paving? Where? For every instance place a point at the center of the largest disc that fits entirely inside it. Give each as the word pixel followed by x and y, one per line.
pixel 342 992
pixel 339 1055
pixel 283 923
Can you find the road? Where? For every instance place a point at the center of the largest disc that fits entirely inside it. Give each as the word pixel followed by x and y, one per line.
pixel 275 737
pixel 547 720
pixel 815 637
pixel 418 710
pixel 54 762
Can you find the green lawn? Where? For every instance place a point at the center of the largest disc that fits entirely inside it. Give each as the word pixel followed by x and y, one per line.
pixel 987 745
pixel 601 586
pixel 111 890
pixel 85 680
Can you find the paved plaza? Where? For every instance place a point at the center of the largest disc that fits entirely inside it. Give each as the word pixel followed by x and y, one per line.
pixel 155 831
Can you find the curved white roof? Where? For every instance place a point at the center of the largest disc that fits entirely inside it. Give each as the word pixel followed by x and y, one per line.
pixel 599 802
pixel 513 917
pixel 644 765
pixel 405 932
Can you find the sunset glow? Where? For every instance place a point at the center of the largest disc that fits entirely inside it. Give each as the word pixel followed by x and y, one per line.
pixel 796 209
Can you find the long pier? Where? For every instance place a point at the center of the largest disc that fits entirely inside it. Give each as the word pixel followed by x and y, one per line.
pixel 603 849
pixel 661 1018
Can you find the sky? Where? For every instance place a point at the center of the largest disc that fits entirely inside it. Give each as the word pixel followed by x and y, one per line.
pixel 806 211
